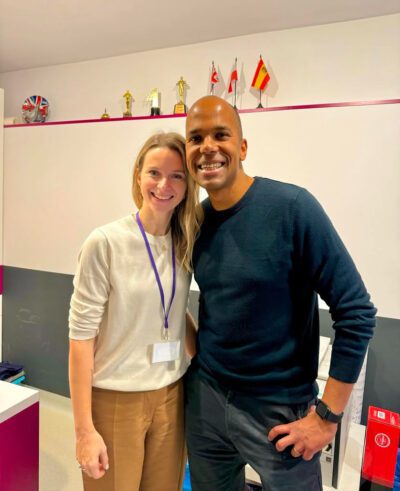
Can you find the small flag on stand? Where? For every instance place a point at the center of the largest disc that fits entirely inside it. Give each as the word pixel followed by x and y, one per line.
pixel 261 78
pixel 214 77
pixel 234 78
pixel 232 81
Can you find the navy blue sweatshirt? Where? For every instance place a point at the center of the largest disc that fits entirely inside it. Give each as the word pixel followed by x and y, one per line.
pixel 259 266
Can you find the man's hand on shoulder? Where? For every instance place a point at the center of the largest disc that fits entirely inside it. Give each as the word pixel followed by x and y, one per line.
pixel 308 435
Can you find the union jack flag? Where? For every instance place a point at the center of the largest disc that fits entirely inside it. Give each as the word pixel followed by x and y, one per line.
pixel 37 102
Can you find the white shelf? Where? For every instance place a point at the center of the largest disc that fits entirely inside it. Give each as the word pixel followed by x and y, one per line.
pixel 14 399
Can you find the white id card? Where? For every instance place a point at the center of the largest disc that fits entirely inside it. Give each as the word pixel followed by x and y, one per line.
pixel 166 351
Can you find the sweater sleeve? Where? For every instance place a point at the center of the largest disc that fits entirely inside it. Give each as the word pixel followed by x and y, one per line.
pixel 331 273
pixel 91 288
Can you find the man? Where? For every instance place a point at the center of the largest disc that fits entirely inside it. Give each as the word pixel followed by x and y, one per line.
pixel 265 250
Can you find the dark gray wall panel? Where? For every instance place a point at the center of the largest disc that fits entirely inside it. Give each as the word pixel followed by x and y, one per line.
pixel 383 366
pixel 35 333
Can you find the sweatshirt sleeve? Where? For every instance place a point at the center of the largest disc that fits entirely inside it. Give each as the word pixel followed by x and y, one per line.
pixel 332 273
pixel 91 288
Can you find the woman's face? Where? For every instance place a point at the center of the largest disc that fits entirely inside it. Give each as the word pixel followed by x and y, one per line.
pixel 162 180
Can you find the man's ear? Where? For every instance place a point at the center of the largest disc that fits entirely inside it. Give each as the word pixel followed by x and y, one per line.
pixel 243 149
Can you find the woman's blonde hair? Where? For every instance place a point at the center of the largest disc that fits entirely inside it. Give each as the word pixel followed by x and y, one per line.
pixel 188 215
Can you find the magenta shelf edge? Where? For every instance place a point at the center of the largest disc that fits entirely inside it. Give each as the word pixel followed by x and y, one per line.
pixel 241 111
pixel 81 121
pixel 323 105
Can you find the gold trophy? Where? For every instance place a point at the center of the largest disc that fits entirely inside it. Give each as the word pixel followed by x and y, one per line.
pixel 105 115
pixel 154 99
pixel 181 108
pixel 128 104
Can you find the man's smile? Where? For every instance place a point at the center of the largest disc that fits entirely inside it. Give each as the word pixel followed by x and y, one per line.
pixel 209 166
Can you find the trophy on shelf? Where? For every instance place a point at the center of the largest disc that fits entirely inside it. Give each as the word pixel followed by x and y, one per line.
pixel 154 99
pixel 180 107
pixel 105 115
pixel 128 104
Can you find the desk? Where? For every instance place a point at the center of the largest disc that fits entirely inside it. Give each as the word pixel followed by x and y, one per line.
pixel 19 438
pixel 350 474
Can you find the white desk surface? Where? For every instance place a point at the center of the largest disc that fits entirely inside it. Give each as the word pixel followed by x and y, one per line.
pixel 350 475
pixel 14 399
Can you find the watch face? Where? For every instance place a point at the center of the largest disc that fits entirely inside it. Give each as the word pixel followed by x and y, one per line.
pixel 324 412
pixel 322 409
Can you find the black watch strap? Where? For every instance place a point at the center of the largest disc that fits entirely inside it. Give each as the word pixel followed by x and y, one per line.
pixel 324 412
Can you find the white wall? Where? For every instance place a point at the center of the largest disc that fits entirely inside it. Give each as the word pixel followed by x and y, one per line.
pixel 347 61
pixel 1 204
pixel 64 180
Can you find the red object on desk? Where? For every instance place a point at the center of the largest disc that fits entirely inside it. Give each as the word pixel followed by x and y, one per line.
pixel 381 443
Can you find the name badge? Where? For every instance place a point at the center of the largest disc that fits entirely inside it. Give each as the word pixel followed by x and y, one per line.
pixel 166 351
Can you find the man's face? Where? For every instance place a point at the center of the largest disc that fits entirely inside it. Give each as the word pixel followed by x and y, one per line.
pixel 214 145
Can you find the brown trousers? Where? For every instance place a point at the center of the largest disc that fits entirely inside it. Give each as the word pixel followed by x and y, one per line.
pixel 144 435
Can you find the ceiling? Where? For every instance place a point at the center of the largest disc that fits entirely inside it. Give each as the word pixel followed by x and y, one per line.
pixel 51 32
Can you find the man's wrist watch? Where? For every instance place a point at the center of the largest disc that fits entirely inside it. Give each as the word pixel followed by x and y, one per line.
pixel 325 412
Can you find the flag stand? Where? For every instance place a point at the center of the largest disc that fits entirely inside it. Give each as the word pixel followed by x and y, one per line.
pixel 260 79
pixel 259 104
pixel 234 105
pixel 233 83
pixel 214 78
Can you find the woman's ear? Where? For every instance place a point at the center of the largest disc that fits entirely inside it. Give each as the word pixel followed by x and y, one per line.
pixel 137 176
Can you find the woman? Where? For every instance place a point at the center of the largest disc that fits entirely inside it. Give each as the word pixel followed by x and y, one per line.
pixel 127 330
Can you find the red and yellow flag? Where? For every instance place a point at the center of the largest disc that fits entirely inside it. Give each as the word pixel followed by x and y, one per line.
pixel 261 76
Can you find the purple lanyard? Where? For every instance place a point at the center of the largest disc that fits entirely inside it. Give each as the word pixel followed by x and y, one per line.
pixel 166 312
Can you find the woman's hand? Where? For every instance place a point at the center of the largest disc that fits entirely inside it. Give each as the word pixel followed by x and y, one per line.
pixel 91 453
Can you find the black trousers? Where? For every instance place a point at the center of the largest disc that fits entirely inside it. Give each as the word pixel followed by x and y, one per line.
pixel 227 430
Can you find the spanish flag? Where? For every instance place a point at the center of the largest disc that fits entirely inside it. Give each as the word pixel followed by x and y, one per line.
pixel 261 76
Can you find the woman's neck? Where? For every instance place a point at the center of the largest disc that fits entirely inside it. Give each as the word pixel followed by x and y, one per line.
pixel 155 224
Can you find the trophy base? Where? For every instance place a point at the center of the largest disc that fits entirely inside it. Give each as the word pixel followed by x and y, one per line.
pixel 180 108
pixel 127 114
pixel 155 111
